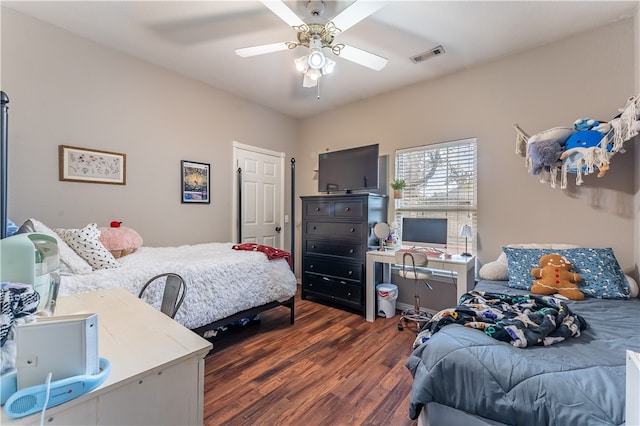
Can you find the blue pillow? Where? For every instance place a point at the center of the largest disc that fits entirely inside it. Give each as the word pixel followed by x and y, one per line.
pixel 520 262
pixel 602 276
pixel 12 228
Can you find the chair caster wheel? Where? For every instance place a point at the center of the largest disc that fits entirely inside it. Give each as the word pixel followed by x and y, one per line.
pixel 400 327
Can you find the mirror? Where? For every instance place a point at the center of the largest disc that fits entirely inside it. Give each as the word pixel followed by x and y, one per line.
pixel 381 230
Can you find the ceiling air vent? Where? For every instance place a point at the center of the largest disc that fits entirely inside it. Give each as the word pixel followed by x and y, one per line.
pixel 428 54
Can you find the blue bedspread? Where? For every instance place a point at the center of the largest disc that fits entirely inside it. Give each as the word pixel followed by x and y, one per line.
pixel 579 381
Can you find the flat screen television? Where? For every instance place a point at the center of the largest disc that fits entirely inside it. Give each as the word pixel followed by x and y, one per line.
pixel 424 232
pixel 348 170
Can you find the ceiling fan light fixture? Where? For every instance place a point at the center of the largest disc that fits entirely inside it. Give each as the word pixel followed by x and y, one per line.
pixel 302 64
pixel 314 74
pixel 308 82
pixel 328 67
pixel 316 59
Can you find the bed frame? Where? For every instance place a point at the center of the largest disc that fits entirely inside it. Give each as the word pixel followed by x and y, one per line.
pixel 289 303
pixel 249 313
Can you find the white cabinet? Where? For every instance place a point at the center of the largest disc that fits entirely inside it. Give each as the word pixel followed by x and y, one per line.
pixel 164 397
pixel 157 367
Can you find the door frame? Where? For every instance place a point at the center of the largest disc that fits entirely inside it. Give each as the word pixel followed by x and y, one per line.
pixel 234 198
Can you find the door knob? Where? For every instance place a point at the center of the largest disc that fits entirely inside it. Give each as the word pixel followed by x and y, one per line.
pixel 278 229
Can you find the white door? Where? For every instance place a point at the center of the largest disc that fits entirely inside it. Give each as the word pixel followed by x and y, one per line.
pixel 261 183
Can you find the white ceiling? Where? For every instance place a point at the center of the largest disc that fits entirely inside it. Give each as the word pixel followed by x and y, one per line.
pixel 198 38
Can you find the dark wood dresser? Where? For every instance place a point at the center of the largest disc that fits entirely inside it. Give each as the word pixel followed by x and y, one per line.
pixel 337 231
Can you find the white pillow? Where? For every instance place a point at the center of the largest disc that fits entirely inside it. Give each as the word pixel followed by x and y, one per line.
pixel 67 255
pixel 86 242
pixel 495 271
pixel 633 286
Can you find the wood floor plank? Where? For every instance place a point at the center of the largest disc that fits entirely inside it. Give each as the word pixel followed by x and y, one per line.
pixel 330 368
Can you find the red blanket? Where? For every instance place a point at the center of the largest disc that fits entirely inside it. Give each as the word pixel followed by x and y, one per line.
pixel 271 252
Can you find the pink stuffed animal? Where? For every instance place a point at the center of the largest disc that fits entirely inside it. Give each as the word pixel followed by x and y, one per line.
pixel 120 240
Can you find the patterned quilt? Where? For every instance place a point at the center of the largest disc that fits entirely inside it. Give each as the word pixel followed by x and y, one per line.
pixel 522 320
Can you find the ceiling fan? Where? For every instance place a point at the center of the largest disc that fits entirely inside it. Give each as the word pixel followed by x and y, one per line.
pixel 316 33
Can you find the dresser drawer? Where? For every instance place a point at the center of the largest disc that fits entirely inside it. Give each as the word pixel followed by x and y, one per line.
pixel 337 230
pixel 329 288
pixel 348 250
pixel 318 208
pixel 349 209
pixel 352 271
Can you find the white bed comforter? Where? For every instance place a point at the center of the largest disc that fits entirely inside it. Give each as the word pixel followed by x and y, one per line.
pixel 220 281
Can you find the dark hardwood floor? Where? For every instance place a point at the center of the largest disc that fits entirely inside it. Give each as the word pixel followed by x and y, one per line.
pixel 330 368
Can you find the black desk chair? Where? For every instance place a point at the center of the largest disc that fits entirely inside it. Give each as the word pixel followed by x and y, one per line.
pixel 174 291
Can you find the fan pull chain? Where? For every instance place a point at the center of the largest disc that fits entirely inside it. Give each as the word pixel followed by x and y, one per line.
pixel 318 85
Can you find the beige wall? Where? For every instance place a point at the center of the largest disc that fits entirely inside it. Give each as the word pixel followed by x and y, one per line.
pixel 587 76
pixel 67 90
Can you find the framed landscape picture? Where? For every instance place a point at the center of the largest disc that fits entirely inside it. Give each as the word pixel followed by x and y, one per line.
pixel 91 165
pixel 195 182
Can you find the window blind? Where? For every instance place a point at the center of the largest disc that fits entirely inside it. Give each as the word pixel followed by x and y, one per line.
pixel 441 182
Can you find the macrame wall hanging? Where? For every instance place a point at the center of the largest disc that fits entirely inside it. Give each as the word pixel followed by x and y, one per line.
pixel 582 149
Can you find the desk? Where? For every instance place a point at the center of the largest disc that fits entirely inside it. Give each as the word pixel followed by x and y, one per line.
pixel 157 367
pixel 463 266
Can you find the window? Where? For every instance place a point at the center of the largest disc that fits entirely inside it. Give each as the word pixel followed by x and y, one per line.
pixel 441 182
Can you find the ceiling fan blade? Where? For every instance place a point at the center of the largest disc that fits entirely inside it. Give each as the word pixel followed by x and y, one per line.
pixel 363 58
pixel 355 13
pixel 283 12
pixel 246 52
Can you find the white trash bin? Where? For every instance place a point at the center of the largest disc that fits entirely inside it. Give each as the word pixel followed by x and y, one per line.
pixel 387 295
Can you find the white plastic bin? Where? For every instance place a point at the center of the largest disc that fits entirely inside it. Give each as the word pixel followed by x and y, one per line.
pixel 387 295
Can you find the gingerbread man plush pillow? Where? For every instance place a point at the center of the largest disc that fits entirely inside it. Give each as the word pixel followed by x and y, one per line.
pixel 555 276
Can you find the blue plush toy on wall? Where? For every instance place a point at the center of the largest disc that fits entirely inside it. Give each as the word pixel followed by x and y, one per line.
pixel 589 135
pixel 585 124
pixel 584 139
pixel 582 143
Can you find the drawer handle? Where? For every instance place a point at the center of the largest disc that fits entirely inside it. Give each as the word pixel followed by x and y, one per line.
pixel 350 272
pixel 313 246
pixel 346 209
pixel 317 209
pixel 342 282
pixel 326 279
pixel 351 251
pixel 352 230
pixel 311 266
pixel 314 228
